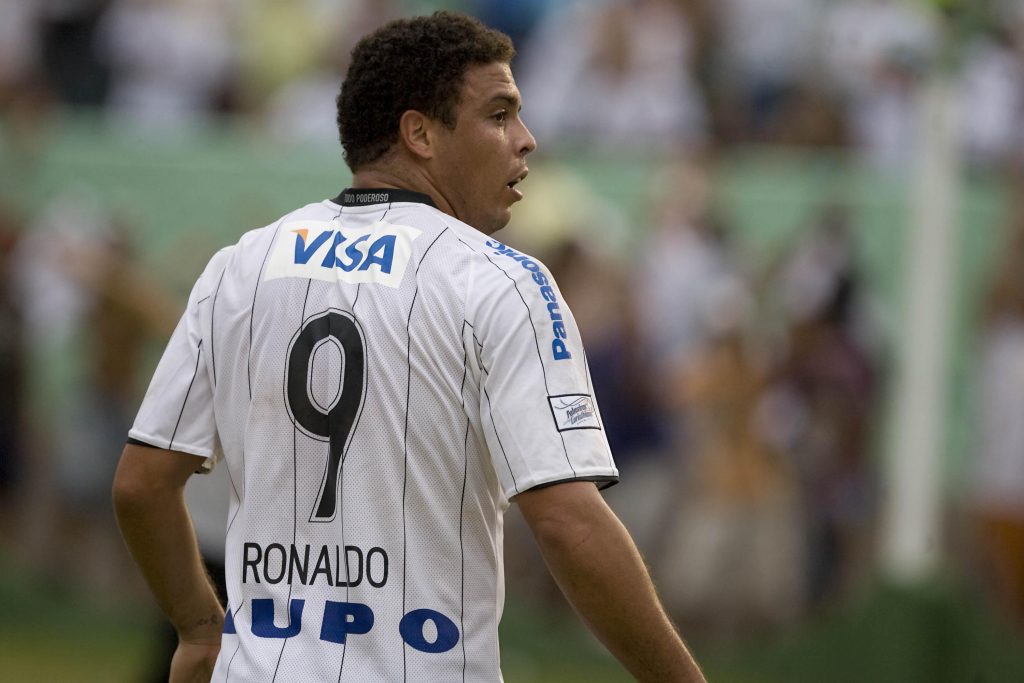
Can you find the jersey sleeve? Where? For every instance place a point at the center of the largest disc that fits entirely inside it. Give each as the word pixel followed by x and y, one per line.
pixel 177 412
pixel 537 409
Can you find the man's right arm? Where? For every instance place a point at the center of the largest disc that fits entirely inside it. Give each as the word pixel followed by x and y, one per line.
pixel 594 561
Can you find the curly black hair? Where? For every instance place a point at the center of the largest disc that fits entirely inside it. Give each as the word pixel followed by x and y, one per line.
pixel 416 64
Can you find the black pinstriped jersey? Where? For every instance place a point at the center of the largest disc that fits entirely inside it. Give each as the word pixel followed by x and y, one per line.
pixel 379 379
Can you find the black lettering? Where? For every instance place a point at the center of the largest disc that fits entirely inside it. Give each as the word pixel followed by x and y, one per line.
pixel 266 563
pixel 295 564
pixel 369 566
pixel 349 549
pixel 254 562
pixel 323 566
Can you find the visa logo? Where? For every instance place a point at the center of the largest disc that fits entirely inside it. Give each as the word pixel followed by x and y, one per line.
pixel 332 252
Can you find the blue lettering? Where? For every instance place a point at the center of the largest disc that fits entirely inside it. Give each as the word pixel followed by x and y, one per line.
pixel 302 253
pixel 229 624
pixel 386 244
pixel 411 628
pixel 343 618
pixel 355 256
pixel 263 619
pixel 558 349
pixel 329 257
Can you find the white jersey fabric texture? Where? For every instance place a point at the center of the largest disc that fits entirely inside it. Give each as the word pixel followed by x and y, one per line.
pixel 380 380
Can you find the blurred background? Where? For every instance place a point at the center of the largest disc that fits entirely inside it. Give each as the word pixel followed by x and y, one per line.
pixel 792 233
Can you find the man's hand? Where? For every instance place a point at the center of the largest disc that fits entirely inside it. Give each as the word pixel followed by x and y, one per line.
pixel 150 509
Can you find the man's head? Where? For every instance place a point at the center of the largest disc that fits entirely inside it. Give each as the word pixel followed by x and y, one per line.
pixel 432 101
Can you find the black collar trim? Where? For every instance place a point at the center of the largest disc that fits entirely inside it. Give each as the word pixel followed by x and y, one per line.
pixel 351 196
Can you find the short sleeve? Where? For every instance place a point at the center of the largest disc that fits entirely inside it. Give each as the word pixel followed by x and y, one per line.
pixel 177 412
pixel 537 408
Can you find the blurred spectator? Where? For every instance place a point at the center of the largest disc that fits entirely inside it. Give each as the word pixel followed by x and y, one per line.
pixel 763 58
pixel 734 543
pixel 303 109
pixel 993 93
pixel 624 77
pixel 684 258
pixel 169 60
pixel 20 46
pixel 125 311
pixel 515 19
pixel 68 32
pixel 875 54
pixel 280 41
pixel 13 369
pixel 823 406
pixel 997 466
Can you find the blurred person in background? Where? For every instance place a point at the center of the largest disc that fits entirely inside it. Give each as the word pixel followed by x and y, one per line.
pixel 280 42
pixel 992 90
pixel 517 20
pixel 74 67
pixel 823 406
pixel 302 109
pixel 996 491
pixel 169 61
pixel 89 309
pixel 874 55
pixel 624 78
pixel 13 374
pixel 734 543
pixel 125 310
pixel 762 58
pixel 680 263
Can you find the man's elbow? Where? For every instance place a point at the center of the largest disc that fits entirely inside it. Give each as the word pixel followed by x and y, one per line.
pixel 564 534
pixel 129 490
pixel 135 486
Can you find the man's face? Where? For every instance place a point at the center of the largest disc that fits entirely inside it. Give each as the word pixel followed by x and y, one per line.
pixel 479 162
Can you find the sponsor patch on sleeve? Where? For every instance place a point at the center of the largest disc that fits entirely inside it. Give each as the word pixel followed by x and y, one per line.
pixel 574 411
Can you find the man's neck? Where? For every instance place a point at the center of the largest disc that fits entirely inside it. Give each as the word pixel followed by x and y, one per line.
pixel 414 180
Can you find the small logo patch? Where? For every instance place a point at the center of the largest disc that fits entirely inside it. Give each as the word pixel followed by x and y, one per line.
pixel 574 411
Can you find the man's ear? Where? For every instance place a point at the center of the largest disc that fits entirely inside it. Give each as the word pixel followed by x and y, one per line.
pixel 418 133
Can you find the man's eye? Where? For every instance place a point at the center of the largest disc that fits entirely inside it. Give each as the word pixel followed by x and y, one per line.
pixel 500 116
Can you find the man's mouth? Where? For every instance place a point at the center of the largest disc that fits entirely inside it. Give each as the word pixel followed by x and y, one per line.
pixel 515 181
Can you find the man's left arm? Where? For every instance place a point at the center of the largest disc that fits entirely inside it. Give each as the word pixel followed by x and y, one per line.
pixel 149 504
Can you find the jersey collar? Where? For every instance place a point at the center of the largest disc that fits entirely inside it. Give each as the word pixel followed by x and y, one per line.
pixel 366 196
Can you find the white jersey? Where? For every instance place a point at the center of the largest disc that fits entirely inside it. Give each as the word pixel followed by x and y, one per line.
pixel 380 379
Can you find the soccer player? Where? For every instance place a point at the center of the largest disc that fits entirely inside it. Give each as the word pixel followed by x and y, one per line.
pixel 380 378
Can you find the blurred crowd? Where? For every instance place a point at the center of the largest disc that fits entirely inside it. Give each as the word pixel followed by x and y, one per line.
pixel 653 75
pixel 743 401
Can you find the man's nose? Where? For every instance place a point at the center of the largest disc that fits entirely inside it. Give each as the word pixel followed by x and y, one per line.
pixel 529 143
